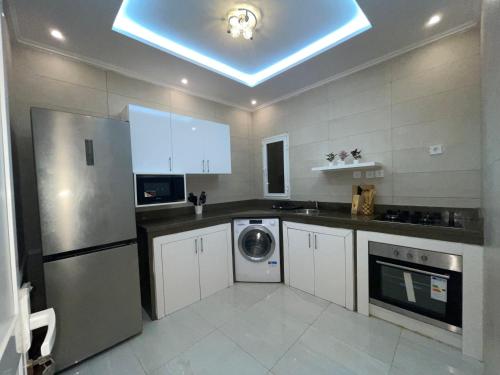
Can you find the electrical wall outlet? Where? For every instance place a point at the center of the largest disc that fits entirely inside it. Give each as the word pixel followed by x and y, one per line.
pixel 379 173
pixel 436 150
pixel 356 174
pixel 370 174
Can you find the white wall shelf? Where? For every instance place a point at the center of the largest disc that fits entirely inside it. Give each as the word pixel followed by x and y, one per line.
pixel 348 167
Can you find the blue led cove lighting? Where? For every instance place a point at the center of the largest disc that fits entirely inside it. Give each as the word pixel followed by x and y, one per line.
pixel 126 25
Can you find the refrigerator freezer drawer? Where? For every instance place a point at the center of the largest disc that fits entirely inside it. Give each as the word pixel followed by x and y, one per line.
pixel 97 302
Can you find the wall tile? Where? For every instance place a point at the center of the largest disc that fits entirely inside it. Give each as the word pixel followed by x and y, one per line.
pixel 442 184
pixel 134 88
pixel 377 97
pixel 461 73
pixel 53 66
pixel 117 104
pixel 453 104
pixel 447 131
pixel 360 123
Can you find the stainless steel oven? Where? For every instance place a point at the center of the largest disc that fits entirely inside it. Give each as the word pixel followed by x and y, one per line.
pixel 421 284
pixel 158 189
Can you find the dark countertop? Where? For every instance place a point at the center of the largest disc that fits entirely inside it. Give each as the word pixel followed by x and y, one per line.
pixel 171 223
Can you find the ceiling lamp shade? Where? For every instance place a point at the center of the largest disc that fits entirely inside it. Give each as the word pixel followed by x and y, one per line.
pixel 241 22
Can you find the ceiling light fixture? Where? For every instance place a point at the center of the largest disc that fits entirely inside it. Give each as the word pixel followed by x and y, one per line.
pixel 434 20
pixel 184 81
pixel 56 34
pixel 254 102
pixel 241 21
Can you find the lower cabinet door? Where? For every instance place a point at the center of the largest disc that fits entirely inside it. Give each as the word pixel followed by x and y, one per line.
pixel 301 260
pixel 214 275
pixel 330 268
pixel 181 277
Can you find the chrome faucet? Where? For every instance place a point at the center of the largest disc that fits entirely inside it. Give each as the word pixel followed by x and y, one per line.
pixel 316 205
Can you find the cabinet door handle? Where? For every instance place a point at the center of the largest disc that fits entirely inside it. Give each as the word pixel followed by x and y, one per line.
pixel 201 243
pixel 316 241
pixel 309 240
pixel 170 163
pixel 196 246
pixel 208 165
pixel 203 163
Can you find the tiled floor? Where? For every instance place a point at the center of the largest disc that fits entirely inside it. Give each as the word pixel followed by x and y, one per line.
pixel 273 329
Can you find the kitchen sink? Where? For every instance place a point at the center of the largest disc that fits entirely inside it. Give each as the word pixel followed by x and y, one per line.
pixel 308 211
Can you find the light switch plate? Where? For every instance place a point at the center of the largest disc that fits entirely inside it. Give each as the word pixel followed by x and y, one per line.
pixel 379 173
pixel 356 174
pixel 370 174
pixel 436 150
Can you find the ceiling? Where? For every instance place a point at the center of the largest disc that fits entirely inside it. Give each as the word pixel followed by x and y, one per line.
pixel 285 27
pixel 197 32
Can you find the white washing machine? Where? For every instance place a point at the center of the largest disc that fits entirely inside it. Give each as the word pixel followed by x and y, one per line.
pixel 257 250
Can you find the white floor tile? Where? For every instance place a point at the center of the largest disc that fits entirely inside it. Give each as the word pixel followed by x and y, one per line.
pixel 373 336
pixel 264 332
pixel 342 354
pixel 117 360
pixel 420 355
pixel 165 339
pixel 215 354
pixel 300 360
pixel 260 290
pixel 224 305
pixel 297 304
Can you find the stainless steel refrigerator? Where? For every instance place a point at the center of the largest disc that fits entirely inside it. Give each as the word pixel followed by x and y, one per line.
pixel 88 233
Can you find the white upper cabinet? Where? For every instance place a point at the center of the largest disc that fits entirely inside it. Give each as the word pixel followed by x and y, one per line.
pixel 151 139
pixel 201 146
pixel 217 148
pixel 165 142
pixel 188 144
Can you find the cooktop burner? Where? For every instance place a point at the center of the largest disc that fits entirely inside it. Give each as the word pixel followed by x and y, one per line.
pixel 418 218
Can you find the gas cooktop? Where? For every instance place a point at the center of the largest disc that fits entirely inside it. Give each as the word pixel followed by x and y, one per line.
pixel 431 218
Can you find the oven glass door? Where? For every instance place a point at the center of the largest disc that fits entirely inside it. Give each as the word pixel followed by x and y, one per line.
pixel 427 291
pixel 160 189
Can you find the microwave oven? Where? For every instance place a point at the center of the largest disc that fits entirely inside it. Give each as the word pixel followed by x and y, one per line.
pixel 159 189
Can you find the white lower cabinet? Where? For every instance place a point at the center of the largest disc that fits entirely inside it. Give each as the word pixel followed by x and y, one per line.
pixel 320 261
pixel 191 265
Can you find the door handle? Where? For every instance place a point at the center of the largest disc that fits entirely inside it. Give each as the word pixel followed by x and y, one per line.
pixel 316 241
pixel 203 163
pixel 410 269
pixel 309 235
pixel 208 165
pixel 170 163
pixel 196 246
pixel 201 243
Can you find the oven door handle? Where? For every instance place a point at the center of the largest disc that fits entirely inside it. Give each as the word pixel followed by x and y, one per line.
pixel 447 277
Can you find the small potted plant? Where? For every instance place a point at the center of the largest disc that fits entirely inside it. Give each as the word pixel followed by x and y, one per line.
pixel 331 158
pixel 356 154
pixel 343 155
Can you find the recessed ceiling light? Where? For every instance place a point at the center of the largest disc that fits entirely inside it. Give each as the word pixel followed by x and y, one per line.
pixel 184 81
pixel 254 102
pixel 57 34
pixel 434 20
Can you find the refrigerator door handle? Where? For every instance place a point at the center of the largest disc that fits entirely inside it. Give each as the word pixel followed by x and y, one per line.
pixel 89 151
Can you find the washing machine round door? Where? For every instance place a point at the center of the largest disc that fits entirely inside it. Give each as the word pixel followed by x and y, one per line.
pixel 256 243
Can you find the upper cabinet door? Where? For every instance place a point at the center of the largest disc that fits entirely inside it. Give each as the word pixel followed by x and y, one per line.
pixel 217 148
pixel 189 138
pixel 151 140
pixel 330 268
pixel 301 260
